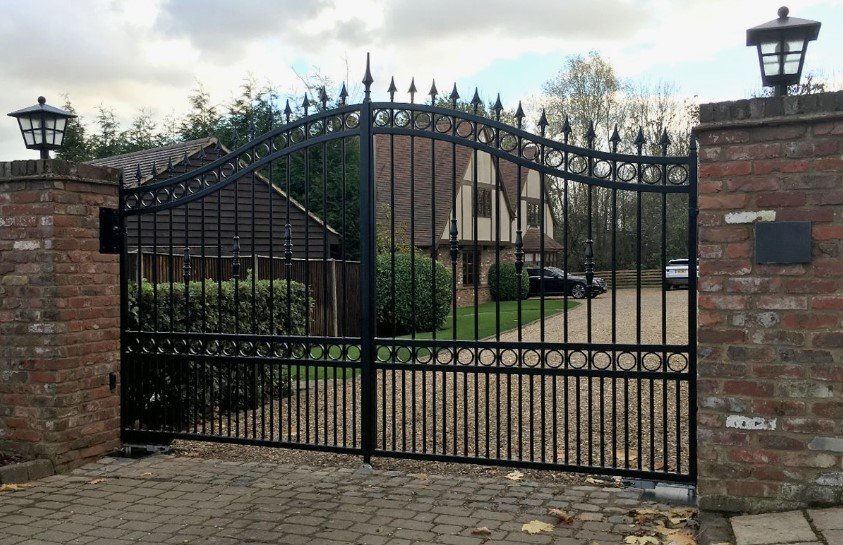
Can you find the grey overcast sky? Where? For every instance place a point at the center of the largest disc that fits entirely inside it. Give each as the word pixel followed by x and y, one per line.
pixel 149 54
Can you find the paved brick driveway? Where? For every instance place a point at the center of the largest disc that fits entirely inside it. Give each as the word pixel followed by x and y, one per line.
pixel 165 499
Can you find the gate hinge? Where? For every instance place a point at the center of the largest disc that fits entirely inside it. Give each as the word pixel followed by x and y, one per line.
pixel 111 233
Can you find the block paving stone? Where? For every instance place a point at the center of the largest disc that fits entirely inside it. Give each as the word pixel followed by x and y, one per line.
pixel 179 500
pixel 790 528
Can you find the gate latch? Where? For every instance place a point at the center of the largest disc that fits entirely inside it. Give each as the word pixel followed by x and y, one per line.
pixel 111 234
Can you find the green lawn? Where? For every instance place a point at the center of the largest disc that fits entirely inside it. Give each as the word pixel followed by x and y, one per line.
pixel 486 324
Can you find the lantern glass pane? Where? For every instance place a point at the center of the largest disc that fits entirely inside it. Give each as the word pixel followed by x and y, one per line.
pixel 36 122
pixel 60 123
pixel 39 136
pixel 793 46
pixel 25 123
pixel 50 122
pixel 769 47
pixel 28 139
pixel 771 65
pixel 791 63
pixel 58 137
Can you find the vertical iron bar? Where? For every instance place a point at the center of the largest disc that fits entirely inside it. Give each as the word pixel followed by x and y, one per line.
pixel 693 211
pixel 367 279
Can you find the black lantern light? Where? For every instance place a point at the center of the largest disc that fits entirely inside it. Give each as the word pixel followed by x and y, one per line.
pixel 781 47
pixel 42 126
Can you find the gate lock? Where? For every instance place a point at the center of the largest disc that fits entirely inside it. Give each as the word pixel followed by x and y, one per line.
pixel 111 234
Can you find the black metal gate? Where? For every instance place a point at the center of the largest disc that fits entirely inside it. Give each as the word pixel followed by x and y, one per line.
pixel 465 334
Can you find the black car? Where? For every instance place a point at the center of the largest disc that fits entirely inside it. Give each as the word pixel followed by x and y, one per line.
pixel 555 283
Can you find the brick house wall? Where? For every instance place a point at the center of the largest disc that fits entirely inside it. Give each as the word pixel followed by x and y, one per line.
pixel 770 336
pixel 59 313
pixel 465 293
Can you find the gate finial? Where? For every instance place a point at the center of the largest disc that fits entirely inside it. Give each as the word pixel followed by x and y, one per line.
pixel 185 161
pixel 433 92
pixel 475 100
pixel 367 79
pixel 640 140
pixel 615 139
pixel 169 165
pixel 323 97
pixel 251 129
pixel 566 129
pixel 235 137
pixel 498 107
pixel 543 122
pixel 154 171
pixel 305 103
pixel 343 94
pixel 591 134
pixel 287 111
pixel 454 97
pixel 392 89
pixel 412 90
pixel 664 142
pixel 519 114
pixel 138 174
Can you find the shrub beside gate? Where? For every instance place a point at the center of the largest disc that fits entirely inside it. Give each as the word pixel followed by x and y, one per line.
pixel 169 397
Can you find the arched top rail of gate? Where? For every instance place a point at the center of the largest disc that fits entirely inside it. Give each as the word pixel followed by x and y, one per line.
pixel 512 143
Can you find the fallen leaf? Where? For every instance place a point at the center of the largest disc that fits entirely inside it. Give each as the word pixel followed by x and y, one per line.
pixel 97 481
pixel 592 480
pixel 515 476
pixel 622 457
pixel 646 516
pixel 147 474
pixel 481 531
pixel 641 540
pixel 13 487
pixel 537 526
pixel 561 515
pixel 681 538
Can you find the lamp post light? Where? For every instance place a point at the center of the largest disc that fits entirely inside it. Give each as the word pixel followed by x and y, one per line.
pixel 42 126
pixel 781 47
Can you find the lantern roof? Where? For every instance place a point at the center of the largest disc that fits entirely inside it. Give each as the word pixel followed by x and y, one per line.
pixel 42 106
pixel 786 26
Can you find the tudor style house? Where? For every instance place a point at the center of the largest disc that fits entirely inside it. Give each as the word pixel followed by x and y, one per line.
pixel 417 201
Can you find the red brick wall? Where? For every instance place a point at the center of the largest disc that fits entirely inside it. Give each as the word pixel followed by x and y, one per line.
pixel 59 313
pixel 770 336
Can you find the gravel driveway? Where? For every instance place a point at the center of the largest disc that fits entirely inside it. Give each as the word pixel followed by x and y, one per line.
pixel 583 421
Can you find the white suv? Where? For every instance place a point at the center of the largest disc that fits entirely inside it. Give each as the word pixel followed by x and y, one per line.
pixel 676 273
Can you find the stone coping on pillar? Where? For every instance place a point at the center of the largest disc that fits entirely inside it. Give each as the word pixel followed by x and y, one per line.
pixel 770 111
pixel 39 169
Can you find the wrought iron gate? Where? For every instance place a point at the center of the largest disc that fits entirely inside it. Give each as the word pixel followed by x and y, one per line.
pixel 466 346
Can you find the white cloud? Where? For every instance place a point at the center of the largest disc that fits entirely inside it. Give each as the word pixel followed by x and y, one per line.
pixel 149 54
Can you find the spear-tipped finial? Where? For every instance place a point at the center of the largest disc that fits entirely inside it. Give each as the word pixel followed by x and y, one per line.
pixel 543 121
pixel 138 174
pixel 343 94
pixel 392 89
pixel 235 137
pixel 252 129
pixel 566 127
pixel 498 106
pixel 305 103
pixel 664 141
pixel 590 134
pixel 154 171
pixel 185 161
pixel 170 165
pixel 615 139
pixel 433 92
pixel 454 96
pixel 412 90
pixel 639 139
pixel 367 79
pixel 201 155
pixel 475 100
pixel 323 97
pixel 519 113
pixel 287 111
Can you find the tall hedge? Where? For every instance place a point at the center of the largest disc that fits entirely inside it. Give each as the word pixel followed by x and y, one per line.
pixel 177 393
pixel 503 282
pixel 401 315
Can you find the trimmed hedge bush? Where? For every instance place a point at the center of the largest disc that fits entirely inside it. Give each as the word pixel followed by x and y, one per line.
pixel 503 282
pixel 176 393
pixel 397 317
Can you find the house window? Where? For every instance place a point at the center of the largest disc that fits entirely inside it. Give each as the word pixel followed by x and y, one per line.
pixel 484 202
pixel 469 270
pixel 533 214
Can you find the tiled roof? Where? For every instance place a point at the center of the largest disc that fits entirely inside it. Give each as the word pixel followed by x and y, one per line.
pixel 532 241
pixel 160 156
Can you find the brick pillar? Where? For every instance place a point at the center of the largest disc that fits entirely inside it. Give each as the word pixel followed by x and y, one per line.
pixel 59 313
pixel 770 335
